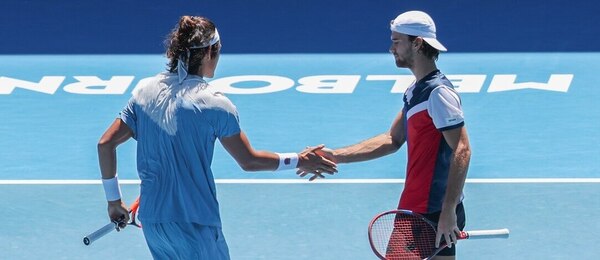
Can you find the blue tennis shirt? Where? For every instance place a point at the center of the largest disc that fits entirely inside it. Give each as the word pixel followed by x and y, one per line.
pixel 176 126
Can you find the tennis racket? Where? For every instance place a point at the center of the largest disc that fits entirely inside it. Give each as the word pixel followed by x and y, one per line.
pixel 114 225
pixel 403 234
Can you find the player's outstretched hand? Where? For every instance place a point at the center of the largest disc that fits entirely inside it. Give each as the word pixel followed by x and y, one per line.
pixel 311 162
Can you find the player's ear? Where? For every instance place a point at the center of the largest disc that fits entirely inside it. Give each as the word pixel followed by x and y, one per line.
pixel 209 52
pixel 417 43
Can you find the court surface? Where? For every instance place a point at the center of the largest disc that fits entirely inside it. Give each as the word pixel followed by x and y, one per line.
pixel 532 119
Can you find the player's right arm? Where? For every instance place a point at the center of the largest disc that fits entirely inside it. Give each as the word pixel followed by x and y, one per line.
pixel 115 135
pixel 238 146
pixel 375 147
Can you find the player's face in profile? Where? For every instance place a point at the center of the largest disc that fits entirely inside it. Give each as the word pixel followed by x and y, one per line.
pixel 401 49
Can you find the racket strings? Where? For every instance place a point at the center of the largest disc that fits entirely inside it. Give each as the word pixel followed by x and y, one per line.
pixel 403 236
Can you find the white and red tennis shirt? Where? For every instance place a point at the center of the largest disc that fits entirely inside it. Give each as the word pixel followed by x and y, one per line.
pixel 431 106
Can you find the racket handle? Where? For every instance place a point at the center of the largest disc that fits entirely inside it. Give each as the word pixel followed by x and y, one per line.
pixel 485 234
pixel 87 240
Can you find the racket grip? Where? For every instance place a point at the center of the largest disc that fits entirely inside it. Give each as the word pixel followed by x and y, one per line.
pixel 485 234
pixel 87 240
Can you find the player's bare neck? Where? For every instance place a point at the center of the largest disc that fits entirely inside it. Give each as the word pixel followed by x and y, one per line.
pixel 422 67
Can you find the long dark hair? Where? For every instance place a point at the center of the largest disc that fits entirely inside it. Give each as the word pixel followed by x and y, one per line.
pixel 190 31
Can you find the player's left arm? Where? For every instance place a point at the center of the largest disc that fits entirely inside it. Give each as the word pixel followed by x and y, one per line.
pixel 458 140
pixel 445 109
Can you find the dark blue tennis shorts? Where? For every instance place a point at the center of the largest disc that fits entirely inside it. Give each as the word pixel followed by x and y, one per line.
pixel 460 220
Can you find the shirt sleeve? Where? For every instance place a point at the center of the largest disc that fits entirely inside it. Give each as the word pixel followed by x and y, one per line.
pixel 230 125
pixel 228 122
pixel 129 117
pixel 445 108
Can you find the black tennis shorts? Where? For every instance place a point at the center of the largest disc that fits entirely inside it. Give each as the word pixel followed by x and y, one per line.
pixel 460 221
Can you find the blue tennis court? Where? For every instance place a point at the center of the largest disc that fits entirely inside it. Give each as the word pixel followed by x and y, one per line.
pixel 532 120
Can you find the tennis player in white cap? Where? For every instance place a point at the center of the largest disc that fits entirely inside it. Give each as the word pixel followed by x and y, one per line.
pixel 432 124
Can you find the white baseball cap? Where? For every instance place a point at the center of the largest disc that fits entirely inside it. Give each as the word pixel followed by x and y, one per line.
pixel 417 23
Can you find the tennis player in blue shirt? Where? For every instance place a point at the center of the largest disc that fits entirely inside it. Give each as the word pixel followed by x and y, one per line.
pixel 176 119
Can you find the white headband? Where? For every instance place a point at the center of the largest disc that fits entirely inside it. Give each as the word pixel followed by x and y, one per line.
pixel 182 62
pixel 212 41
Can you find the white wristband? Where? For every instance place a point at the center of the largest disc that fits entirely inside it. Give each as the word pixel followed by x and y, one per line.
pixel 287 161
pixel 112 189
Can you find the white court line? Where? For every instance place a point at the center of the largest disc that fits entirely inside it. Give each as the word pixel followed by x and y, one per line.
pixel 305 181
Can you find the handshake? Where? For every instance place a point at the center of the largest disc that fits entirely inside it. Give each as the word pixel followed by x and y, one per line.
pixel 316 160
